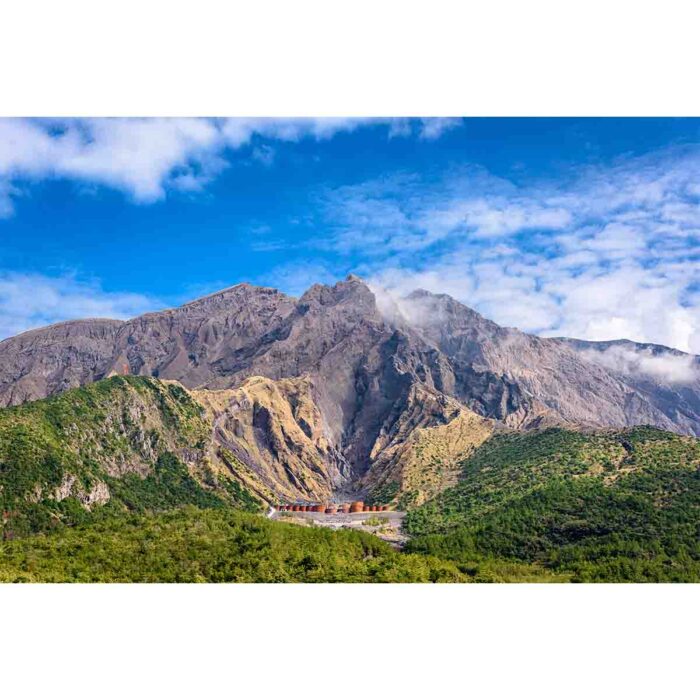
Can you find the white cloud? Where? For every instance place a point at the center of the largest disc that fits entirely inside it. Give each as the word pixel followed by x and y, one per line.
pixel 665 366
pixel 142 157
pixel 434 127
pixel 7 193
pixel 489 218
pixel 145 158
pixel 264 154
pixel 402 213
pixel 239 131
pixel 400 128
pixel 613 252
pixel 30 300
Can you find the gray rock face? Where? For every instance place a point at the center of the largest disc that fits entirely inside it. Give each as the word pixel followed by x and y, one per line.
pixel 364 358
pixel 589 384
pixel 665 378
pixel 49 360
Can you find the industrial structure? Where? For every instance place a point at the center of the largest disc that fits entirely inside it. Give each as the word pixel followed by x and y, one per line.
pixel 331 508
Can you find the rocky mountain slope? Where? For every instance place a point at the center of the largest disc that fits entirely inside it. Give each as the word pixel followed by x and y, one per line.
pixel 271 435
pixel 347 391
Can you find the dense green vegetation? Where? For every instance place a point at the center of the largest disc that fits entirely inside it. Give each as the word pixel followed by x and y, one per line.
pixel 383 494
pixel 112 482
pixel 609 506
pixel 108 447
pixel 214 545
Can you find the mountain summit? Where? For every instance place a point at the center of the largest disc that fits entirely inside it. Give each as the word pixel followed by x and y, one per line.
pixel 347 389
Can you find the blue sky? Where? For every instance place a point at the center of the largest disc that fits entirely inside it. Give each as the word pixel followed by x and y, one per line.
pixel 581 227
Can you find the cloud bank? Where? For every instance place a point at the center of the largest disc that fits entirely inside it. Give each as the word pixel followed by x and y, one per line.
pixel 611 252
pixel 665 366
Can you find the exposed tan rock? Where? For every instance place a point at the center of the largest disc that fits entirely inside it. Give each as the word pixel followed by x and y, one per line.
pixel 424 451
pixel 275 429
pixel 65 489
pixel 97 495
pixel 275 441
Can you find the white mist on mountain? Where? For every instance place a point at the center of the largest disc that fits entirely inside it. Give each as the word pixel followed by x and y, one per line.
pixel 416 310
pixel 672 368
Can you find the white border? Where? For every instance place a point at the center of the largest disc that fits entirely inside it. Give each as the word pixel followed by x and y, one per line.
pixel 367 57
pixel 340 58
pixel 345 641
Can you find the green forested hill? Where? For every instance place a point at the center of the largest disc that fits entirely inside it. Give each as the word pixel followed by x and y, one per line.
pixel 213 545
pixel 122 444
pixel 614 505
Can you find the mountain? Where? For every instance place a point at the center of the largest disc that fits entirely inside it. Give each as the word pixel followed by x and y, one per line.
pixel 579 382
pixel 347 391
pixel 664 377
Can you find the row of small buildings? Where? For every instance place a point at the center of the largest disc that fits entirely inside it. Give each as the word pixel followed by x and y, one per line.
pixel 331 508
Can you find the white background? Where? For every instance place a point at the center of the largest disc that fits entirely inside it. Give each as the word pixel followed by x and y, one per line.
pixel 340 58
pixel 366 57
